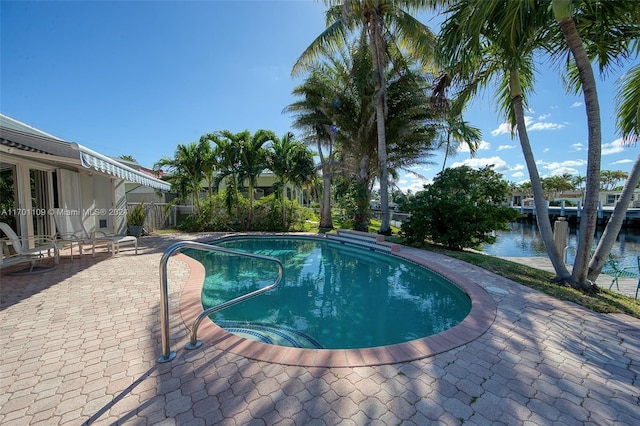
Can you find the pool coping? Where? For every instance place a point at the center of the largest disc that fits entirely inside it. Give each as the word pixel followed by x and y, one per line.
pixel 482 314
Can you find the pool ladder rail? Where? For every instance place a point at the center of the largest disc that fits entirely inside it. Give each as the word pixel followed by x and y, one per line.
pixel 167 354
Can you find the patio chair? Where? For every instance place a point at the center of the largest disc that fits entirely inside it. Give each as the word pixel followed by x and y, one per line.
pixel 15 251
pixel 613 268
pixel 71 230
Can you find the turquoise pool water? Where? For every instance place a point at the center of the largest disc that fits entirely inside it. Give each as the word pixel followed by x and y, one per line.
pixel 333 296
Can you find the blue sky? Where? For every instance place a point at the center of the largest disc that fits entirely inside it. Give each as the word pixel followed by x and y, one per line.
pixel 139 78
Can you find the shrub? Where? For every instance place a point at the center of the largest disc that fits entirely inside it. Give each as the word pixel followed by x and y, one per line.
pixel 460 209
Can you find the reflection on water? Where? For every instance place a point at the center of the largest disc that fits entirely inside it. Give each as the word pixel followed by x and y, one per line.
pixel 335 295
pixel 524 240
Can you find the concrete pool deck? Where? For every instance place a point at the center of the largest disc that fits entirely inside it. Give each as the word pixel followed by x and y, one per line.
pixel 80 344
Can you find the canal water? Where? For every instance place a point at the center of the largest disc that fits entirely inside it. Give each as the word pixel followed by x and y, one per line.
pixel 523 240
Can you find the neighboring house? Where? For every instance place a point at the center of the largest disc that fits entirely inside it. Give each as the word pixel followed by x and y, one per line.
pixel 264 187
pixel 609 198
pixel 40 172
pixel 137 192
pixel 606 198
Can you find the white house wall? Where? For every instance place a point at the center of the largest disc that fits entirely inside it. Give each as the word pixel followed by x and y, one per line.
pixel 119 216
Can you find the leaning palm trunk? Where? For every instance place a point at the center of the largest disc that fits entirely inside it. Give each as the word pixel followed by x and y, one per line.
pixel 589 219
pixel 615 223
pixel 542 215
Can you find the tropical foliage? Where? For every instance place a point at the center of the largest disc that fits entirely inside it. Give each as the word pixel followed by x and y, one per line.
pixel 336 105
pixel 482 39
pixel 460 209
pixel 386 24
pixel 237 160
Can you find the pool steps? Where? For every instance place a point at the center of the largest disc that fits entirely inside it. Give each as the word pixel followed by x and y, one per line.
pixel 363 239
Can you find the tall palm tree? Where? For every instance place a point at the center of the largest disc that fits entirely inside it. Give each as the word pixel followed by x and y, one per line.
pixel 608 32
pixel 628 101
pixel 386 22
pixel 226 151
pixel 454 129
pixel 185 172
pixel 590 29
pixel 488 40
pixel 209 163
pixel 316 97
pixel 253 158
pixel 290 161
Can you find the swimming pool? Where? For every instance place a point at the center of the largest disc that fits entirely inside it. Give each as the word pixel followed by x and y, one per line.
pixel 332 296
pixel 475 324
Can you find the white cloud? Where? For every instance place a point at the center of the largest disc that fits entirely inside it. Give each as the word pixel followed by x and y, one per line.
pixel 544 126
pixel 503 147
pixel 413 183
pixel 576 105
pixel 625 161
pixel 504 128
pixel 578 146
pixel 531 123
pixel 517 167
pixel 499 164
pixel 564 170
pixel 567 163
pixel 558 168
pixel 614 147
pixel 483 145
pixel 544 117
pixel 517 175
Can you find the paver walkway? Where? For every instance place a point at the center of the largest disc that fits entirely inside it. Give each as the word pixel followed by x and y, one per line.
pixel 80 343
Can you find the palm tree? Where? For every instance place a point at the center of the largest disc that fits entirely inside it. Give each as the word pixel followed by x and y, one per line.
pixel 290 161
pixel 316 97
pixel 608 32
pixel 226 152
pixel 252 158
pixel 209 163
pixel 185 172
pixel 385 22
pixel 629 125
pixel 495 39
pixel 454 130
pixel 339 104
pixel 590 29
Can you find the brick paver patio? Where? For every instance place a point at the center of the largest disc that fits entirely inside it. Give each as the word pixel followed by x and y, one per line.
pixel 80 344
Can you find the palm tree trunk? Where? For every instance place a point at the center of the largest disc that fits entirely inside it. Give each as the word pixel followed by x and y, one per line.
pixel 589 219
pixel 284 206
pixel 542 214
pixel 377 51
pixel 615 223
pixel 326 221
pixel 250 218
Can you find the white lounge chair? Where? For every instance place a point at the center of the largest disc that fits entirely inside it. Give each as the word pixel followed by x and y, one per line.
pixel 15 251
pixel 71 230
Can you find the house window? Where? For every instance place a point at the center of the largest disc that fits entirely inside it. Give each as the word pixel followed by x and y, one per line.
pixel 40 201
pixel 612 198
pixel 8 194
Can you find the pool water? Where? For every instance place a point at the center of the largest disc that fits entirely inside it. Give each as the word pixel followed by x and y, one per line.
pixel 333 296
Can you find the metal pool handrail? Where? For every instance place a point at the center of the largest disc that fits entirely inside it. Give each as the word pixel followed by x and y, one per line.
pixel 167 354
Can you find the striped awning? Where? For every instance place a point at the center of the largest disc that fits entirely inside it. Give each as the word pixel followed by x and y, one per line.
pixel 98 162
